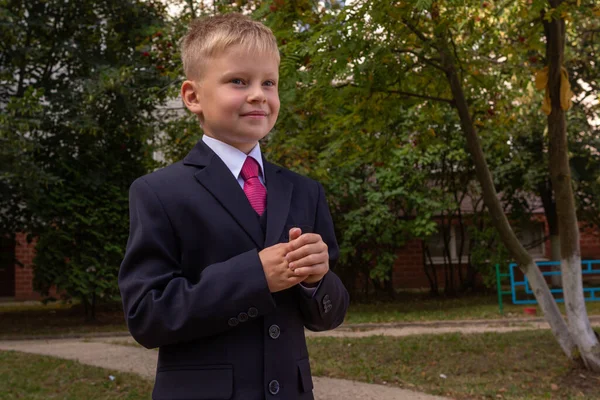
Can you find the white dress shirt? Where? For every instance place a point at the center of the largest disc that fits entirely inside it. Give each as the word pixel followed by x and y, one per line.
pixel 234 160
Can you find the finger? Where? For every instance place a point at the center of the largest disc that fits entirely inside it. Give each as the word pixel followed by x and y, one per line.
pixel 311 259
pixel 295 233
pixel 283 248
pixel 318 269
pixel 311 248
pixel 305 239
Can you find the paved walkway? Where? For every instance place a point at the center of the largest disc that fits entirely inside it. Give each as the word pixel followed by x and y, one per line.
pixel 101 353
pixel 398 329
pixel 112 352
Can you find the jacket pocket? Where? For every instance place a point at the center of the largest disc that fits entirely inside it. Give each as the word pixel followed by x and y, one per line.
pixel 306 383
pixel 210 382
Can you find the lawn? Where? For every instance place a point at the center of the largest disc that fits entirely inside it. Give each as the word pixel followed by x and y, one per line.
pixel 57 319
pixel 33 377
pixel 517 365
pixel 65 319
pixel 421 307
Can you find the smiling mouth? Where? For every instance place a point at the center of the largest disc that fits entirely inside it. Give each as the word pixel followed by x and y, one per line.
pixel 255 114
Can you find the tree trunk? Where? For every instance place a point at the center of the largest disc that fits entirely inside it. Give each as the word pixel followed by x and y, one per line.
pixel 547 196
pixel 536 280
pixel 431 277
pixel 568 228
pixel 555 255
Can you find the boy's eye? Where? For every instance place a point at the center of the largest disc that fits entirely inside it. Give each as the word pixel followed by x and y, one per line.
pixel 237 81
pixel 269 83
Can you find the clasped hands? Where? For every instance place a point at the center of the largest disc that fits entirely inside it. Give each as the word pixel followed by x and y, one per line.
pixel 305 258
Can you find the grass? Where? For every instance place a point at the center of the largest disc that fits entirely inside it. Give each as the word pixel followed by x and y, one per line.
pixel 64 319
pixel 517 365
pixel 57 319
pixel 421 307
pixel 33 377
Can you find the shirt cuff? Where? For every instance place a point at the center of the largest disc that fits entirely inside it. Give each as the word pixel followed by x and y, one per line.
pixel 310 291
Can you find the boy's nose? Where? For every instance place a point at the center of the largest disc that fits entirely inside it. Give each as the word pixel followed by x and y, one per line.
pixel 256 95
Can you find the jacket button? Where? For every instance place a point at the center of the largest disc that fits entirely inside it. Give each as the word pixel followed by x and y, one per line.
pixel 233 322
pixel 253 312
pixel 273 387
pixel 243 317
pixel 326 304
pixel 274 332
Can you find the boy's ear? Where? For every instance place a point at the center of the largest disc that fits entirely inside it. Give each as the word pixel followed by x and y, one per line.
pixel 189 95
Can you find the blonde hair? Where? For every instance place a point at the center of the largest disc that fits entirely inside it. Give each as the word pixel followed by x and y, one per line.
pixel 207 37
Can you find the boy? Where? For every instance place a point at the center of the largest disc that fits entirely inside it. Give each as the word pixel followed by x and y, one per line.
pixel 228 255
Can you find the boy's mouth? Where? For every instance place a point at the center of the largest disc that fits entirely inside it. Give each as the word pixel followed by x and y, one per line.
pixel 255 114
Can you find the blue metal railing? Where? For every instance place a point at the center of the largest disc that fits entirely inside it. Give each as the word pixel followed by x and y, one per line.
pixel 590 293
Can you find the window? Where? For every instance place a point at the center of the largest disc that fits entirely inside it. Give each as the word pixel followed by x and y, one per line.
pixel 530 235
pixel 437 248
pixel 532 238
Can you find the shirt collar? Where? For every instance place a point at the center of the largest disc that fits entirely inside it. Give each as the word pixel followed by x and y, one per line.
pixel 233 158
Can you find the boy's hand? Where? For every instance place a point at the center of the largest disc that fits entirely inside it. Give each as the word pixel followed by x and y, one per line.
pixel 308 256
pixel 279 276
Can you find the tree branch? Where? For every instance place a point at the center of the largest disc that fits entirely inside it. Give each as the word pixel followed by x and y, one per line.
pixel 417 32
pixel 420 57
pixel 421 96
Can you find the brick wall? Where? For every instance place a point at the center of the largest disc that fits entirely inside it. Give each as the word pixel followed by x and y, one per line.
pixel 24 253
pixel 408 269
pixel 590 244
pixel 409 272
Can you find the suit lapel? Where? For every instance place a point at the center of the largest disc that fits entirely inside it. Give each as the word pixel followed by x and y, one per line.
pixel 279 196
pixel 218 180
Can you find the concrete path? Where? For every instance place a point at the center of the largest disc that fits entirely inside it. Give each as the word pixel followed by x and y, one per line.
pixel 102 353
pixel 399 329
pixel 113 352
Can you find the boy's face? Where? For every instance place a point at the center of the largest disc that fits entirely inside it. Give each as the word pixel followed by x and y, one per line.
pixel 237 97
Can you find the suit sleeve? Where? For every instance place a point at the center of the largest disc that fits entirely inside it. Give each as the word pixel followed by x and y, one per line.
pixel 161 305
pixel 327 307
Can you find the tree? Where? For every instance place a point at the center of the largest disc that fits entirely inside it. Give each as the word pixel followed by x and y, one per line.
pixel 560 172
pixel 579 335
pixel 384 56
pixel 81 87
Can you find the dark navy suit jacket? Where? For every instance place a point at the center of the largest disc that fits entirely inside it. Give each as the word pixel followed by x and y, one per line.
pixel 193 285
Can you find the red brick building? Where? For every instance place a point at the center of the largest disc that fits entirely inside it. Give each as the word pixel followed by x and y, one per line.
pixel 409 271
pixel 16 279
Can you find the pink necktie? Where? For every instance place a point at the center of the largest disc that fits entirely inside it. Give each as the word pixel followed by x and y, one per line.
pixel 255 191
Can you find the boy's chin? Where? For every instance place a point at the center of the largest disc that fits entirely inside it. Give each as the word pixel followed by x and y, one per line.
pixel 254 137
pixel 247 143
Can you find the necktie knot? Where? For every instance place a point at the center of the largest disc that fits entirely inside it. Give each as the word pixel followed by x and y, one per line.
pixel 250 169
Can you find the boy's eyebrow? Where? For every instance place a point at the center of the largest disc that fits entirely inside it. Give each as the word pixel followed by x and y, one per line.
pixel 273 74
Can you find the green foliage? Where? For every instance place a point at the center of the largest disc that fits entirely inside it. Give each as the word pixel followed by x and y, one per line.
pixel 18 172
pixel 486 251
pixel 81 94
pixel 366 109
